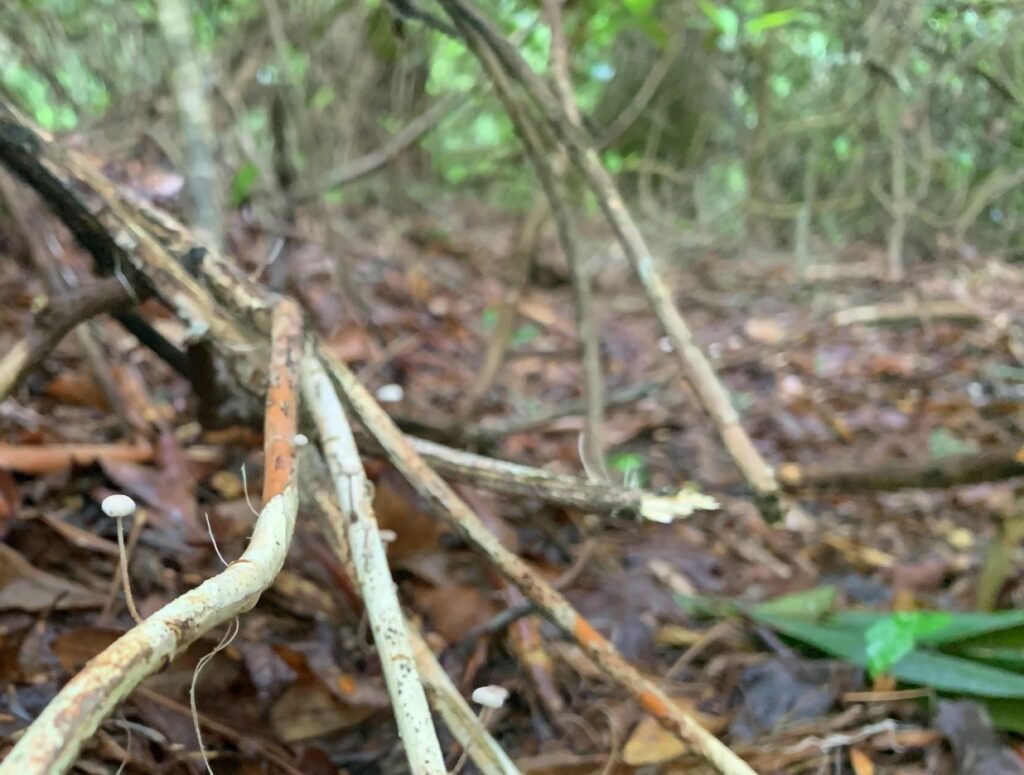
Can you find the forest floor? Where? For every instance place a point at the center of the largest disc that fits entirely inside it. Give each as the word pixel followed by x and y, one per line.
pixel 299 689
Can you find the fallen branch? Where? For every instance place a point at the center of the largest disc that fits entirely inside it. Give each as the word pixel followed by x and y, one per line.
pixel 52 742
pixel 48 458
pixel 370 567
pixel 564 490
pixel 52 323
pixel 950 471
pixel 895 313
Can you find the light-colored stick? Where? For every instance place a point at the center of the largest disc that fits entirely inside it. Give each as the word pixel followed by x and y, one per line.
pixel 370 564
pixel 463 723
pixel 52 742
pixel 443 500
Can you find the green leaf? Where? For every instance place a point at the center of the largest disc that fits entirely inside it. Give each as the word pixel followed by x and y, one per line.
pixel 242 183
pixel 1006 658
pixel 1006 714
pixel 771 20
pixel 489 319
pixel 324 96
pixel 639 7
pixel 892 638
pixel 923 668
pixel 487 129
pixel 888 643
pixel 707 606
pixel 942 443
pixel 724 19
pixel 809 604
pixel 632 466
pixel 960 676
pixel 524 335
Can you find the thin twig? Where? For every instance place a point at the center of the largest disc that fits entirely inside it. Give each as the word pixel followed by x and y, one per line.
pixel 606 500
pixel 51 324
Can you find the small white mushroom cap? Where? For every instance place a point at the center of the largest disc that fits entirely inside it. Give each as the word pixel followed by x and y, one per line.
pixel 490 696
pixel 117 506
pixel 300 439
pixel 390 394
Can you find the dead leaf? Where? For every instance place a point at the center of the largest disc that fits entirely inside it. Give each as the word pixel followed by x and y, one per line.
pixel 76 647
pixel 764 330
pixel 399 509
pixel 860 762
pixel 349 343
pixel 651 743
pixel 454 610
pixel 76 389
pixel 76 536
pixel 24 587
pixel 168 489
pixel 308 710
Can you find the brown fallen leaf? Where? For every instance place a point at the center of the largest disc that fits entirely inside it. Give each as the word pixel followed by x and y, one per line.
pixel 454 610
pixel 76 389
pixel 76 536
pixel 651 743
pixel 764 330
pixel 24 587
pixel 861 763
pixel 307 709
pixel 50 458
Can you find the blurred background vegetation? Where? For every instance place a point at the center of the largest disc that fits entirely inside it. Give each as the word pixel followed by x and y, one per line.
pixel 795 127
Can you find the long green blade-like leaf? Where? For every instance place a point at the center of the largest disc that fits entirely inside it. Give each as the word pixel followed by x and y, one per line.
pixel 938 671
pixel 809 604
pixel 961 627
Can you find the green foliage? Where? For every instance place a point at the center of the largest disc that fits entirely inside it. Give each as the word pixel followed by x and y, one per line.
pixel 975 654
pixel 891 639
pixel 523 335
pixel 942 443
pixel 631 466
pixel 37 97
pixel 242 183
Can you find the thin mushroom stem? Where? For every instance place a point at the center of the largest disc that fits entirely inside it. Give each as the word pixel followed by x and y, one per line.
pixel 129 598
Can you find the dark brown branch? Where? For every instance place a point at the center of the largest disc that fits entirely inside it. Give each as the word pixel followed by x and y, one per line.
pixel 61 314
pixel 951 471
